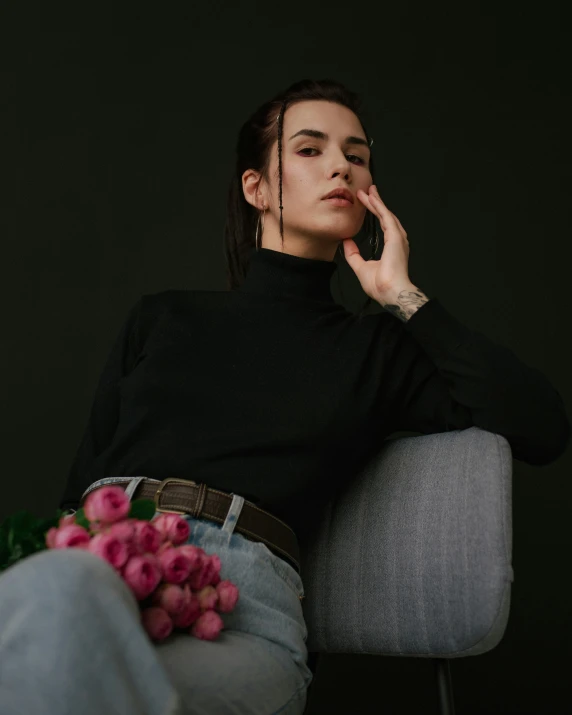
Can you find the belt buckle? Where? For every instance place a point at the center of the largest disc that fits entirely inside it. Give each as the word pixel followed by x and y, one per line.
pixel 161 486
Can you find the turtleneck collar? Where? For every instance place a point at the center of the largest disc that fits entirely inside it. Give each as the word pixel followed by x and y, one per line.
pixel 282 274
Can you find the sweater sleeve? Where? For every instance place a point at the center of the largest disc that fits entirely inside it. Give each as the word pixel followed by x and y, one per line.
pixel 453 378
pixel 104 414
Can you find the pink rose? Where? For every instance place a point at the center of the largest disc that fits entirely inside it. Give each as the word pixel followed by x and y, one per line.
pixel 194 553
pixel 124 531
pixel 51 536
pixel 170 597
pixel 142 573
pixel 67 519
pixel 207 572
pixel 107 504
pixel 191 611
pixel 111 549
pixel 208 598
pixel 146 538
pixel 173 527
pixel 156 622
pixel 227 596
pixel 188 595
pixel 214 570
pixel 175 565
pixel 207 626
pixel 67 537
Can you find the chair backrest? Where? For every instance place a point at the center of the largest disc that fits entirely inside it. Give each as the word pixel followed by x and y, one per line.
pixel 413 556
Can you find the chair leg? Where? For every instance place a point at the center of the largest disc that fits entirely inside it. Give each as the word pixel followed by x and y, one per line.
pixel 444 686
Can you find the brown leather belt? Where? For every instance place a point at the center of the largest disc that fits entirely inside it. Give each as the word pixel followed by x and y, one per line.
pixel 183 496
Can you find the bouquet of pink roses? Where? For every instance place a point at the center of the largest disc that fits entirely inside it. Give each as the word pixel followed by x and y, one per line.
pixel 177 585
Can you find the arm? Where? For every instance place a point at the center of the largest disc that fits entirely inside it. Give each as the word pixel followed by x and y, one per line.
pixel 444 376
pixel 104 414
pixel 448 377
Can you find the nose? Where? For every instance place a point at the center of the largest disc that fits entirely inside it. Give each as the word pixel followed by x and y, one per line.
pixel 343 168
pixel 345 174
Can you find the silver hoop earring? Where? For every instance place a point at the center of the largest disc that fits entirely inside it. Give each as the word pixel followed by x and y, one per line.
pixel 374 243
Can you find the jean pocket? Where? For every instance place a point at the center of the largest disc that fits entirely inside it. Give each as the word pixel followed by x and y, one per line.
pixel 286 572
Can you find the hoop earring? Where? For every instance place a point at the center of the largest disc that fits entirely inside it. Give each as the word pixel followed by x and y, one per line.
pixel 258 244
pixel 373 242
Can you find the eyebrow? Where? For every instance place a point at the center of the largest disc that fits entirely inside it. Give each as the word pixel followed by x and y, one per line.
pixel 322 135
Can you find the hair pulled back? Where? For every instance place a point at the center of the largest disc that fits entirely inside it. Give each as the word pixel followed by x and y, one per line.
pixel 253 151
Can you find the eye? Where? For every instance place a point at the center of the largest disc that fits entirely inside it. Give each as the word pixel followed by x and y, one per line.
pixel 310 148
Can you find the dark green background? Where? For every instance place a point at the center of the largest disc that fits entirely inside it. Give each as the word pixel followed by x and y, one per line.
pixel 116 148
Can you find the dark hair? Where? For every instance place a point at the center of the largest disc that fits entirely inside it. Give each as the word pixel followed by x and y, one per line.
pixel 255 139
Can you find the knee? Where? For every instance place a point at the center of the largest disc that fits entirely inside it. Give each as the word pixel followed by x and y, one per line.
pixel 72 573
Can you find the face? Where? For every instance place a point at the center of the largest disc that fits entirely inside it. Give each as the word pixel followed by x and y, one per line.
pixel 311 168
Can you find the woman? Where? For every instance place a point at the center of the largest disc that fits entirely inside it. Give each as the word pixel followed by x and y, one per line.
pixel 261 400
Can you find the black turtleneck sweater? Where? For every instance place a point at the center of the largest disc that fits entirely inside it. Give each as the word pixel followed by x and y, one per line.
pixel 276 392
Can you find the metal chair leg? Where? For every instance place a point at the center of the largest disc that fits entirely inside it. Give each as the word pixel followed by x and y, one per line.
pixel 444 686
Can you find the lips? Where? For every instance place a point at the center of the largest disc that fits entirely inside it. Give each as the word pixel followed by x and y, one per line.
pixel 340 193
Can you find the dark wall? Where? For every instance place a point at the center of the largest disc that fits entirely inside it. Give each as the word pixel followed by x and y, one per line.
pixel 117 140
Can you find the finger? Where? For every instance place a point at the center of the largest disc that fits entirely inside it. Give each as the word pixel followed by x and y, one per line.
pixel 370 208
pixel 369 201
pixel 399 224
pixel 377 201
pixel 379 209
pixel 383 209
pixel 353 255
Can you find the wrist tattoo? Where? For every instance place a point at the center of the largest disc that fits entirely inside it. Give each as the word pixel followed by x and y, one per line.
pixel 407 303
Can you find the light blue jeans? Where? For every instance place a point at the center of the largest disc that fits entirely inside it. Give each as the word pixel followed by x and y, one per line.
pixel 71 640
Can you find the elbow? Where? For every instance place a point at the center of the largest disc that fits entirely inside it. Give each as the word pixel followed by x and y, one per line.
pixel 562 441
pixel 541 452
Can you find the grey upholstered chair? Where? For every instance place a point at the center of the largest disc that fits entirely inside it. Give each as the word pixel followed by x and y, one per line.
pixel 424 538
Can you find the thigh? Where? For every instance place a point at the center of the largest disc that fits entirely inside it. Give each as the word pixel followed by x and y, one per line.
pixel 258 663
pixel 236 673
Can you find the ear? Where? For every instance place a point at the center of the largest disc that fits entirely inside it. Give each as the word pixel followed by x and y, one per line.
pixel 254 189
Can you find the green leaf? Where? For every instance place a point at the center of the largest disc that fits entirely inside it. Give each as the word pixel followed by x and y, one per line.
pixel 142 509
pixel 81 519
pixel 23 534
